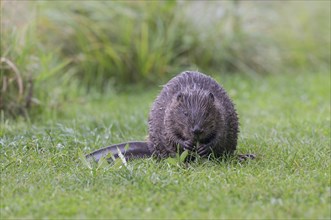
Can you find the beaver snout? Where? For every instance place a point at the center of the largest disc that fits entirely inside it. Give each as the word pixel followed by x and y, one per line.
pixel 197 130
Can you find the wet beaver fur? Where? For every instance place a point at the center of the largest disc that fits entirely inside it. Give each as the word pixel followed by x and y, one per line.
pixel 193 112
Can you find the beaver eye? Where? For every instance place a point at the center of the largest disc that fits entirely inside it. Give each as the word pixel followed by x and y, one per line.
pixel 185 113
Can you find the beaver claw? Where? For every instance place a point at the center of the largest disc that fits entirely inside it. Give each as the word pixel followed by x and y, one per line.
pixel 188 145
pixel 204 150
pixel 244 157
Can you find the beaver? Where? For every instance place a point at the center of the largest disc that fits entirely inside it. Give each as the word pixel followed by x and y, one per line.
pixel 192 112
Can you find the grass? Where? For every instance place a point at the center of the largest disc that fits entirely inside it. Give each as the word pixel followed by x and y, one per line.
pixel 285 120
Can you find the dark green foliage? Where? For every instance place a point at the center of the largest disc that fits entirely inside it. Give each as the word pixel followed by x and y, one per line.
pixel 64 49
pixel 125 42
pixel 141 42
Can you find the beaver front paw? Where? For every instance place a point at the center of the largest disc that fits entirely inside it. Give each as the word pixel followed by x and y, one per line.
pixel 204 150
pixel 188 145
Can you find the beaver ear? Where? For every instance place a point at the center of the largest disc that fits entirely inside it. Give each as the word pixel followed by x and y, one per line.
pixel 180 97
pixel 211 97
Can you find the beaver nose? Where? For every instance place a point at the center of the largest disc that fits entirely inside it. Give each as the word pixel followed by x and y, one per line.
pixel 197 130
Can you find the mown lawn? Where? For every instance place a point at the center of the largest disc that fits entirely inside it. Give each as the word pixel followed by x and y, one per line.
pixel 285 120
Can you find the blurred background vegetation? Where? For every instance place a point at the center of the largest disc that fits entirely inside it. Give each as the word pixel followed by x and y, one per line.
pixel 55 51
